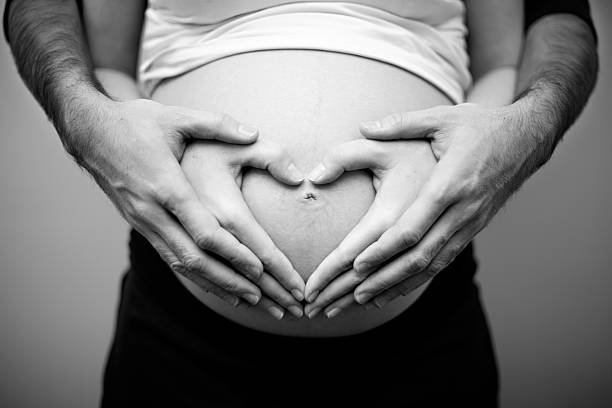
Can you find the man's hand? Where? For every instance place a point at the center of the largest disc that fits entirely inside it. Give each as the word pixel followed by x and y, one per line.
pixel 133 149
pixel 215 171
pixel 399 168
pixel 483 156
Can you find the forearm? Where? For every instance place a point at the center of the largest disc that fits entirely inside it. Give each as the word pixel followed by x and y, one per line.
pixel 495 88
pixel 556 77
pixel 119 85
pixel 50 52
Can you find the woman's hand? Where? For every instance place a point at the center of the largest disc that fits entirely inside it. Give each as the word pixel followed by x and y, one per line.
pixel 215 172
pixel 484 155
pixel 132 149
pixel 399 168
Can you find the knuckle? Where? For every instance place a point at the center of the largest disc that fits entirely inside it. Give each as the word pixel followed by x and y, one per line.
pixel 345 260
pixel 230 218
pixel 430 273
pixel 137 209
pixel 164 193
pixel 225 120
pixel 269 256
pixel 403 288
pixel 436 266
pixel 178 267
pixel 204 239
pixel 229 285
pixel 420 262
pixel 377 254
pixel 193 262
pixel 408 238
pixel 394 120
pixel 441 195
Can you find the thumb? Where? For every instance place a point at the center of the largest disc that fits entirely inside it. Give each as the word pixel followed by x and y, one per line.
pixel 354 155
pixel 407 125
pixel 275 159
pixel 197 124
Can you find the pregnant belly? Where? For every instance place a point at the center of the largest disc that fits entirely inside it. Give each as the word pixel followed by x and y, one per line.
pixel 307 101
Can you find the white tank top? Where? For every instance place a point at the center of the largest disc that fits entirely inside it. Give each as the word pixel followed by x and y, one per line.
pixel 424 37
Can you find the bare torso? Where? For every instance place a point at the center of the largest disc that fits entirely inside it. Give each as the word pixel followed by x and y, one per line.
pixel 307 101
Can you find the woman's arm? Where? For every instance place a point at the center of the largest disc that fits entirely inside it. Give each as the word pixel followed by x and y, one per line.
pixel 494 45
pixel 113 29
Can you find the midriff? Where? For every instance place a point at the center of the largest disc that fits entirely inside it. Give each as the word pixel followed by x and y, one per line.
pixel 307 101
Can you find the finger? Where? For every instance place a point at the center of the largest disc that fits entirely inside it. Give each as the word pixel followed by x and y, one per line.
pixel 209 287
pixel 401 289
pixel 407 125
pixel 195 261
pixel 172 261
pixel 354 155
pixel 275 310
pixel 237 218
pixel 431 202
pixel 270 286
pixel 342 285
pixel 339 305
pixel 417 259
pixel 376 220
pixel 224 199
pixel 270 156
pixel 205 230
pixel 200 124
pixel 444 258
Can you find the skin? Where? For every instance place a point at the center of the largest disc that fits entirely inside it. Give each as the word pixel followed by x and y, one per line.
pixel 496 36
pixel 484 154
pixel 494 48
pixel 556 77
pixel 132 149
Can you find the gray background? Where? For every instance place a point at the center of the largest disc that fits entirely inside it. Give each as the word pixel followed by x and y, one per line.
pixel 544 263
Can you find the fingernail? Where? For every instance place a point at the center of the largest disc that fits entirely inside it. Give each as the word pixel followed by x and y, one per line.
pixel 246 130
pixel 313 296
pixel 276 312
pixel 316 173
pixel 361 298
pixel 296 311
pixel 251 298
pixel 314 312
pixel 297 294
pixel 380 302
pixel 295 173
pixel 333 312
pixel 371 125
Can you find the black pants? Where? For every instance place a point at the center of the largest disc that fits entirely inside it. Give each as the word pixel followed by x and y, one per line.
pixel 170 350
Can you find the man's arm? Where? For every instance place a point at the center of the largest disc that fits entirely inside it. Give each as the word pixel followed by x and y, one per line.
pixel 484 153
pixel 132 149
pixel 557 74
pixel 51 56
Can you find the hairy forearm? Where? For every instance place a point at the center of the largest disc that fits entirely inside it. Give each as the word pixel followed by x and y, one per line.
pixel 556 77
pixel 51 54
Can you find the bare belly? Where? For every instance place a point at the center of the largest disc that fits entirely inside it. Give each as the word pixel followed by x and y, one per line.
pixel 308 101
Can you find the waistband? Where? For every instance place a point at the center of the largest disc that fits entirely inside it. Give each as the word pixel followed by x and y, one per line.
pixel 150 275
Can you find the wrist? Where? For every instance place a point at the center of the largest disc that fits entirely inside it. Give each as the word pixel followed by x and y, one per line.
pixel 535 124
pixel 85 111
